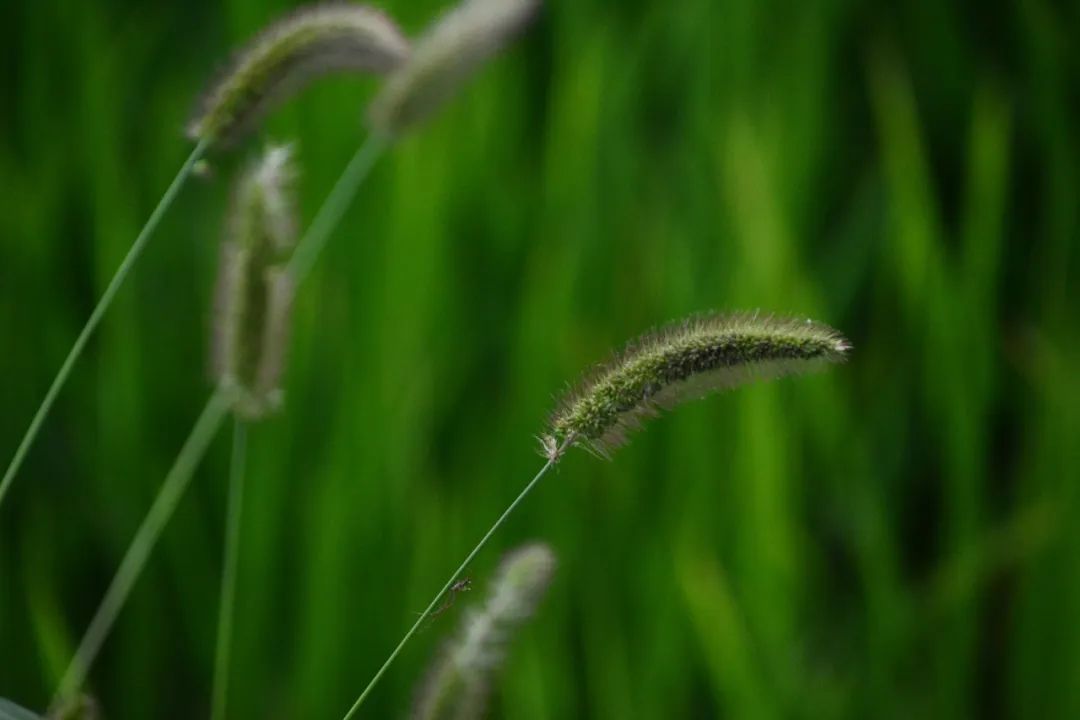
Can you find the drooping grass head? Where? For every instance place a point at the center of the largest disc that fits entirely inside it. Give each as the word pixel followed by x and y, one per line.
pixel 444 58
pixel 309 43
pixel 685 361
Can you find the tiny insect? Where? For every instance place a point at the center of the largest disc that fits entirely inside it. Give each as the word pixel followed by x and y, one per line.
pixel 460 586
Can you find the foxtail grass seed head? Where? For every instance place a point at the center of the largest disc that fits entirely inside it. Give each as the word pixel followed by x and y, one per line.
pixel 255 290
pixel 685 361
pixel 311 42
pixel 459 683
pixel 444 58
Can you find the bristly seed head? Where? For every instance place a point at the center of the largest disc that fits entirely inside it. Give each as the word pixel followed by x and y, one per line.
pixel 309 43
pixel 255 290
pixel 444 58
pixel 685 361
pixel 459 683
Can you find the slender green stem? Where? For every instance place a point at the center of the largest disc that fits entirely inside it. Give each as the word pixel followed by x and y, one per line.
pixel 335 205
pixel 307 251
pixel 453 578
pixel 228 572
pixel 147 536
pixel 99 312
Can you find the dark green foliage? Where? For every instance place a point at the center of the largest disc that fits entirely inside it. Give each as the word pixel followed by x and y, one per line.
pixel 892 539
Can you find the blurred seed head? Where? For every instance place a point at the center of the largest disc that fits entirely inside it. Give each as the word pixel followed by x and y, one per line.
pixel 311 42
pixel 255 290
pixel 686 361
pixel 444 58
pixel 459 683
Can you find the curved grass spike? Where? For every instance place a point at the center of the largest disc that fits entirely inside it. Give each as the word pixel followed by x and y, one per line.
pixel 685 361
pixel 689 359
pixel 255 289
pixel 311 42
pixel 460 681
pixel 444 58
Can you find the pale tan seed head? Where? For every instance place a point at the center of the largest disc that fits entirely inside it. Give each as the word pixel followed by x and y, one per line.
pixel 460 681
pixel 444 58
pixel 255 290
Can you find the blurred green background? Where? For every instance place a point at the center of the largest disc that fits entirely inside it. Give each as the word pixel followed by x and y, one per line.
pixel 897 537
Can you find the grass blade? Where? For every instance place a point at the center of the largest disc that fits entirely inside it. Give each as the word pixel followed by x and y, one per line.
pixel 98 313
pixel 138 552
pixel 228 577
pixel 552 459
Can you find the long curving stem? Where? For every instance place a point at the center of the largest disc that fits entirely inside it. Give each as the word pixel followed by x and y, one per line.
pixel 307 251
pixel 552 460
pixel 98 313
pixel 228 573
pixel 138 552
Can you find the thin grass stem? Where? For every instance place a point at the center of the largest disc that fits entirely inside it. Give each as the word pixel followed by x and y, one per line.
pixel 307 251
pixel 334 207
pixel 138 552
pixel 552 460
pixel 228 573
pixel 98 313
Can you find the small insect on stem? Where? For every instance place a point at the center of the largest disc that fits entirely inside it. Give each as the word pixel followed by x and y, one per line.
pixel 462 677
pixel 460 586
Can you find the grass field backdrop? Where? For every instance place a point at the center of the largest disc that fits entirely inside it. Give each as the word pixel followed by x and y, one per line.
pixel 898 537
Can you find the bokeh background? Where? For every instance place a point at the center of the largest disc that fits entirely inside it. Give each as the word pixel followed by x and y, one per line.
pixel 895 538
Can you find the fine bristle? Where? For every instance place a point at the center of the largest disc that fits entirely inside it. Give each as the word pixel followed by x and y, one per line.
pixel 685 361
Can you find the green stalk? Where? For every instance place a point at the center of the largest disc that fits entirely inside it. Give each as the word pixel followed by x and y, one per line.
pixel 554 458
pixel 98 313
pixel 307 251
pixel 228 573
pixel 147 536
pixel 334 207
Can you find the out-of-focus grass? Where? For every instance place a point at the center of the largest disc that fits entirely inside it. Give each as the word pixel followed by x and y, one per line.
pixel 891 538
